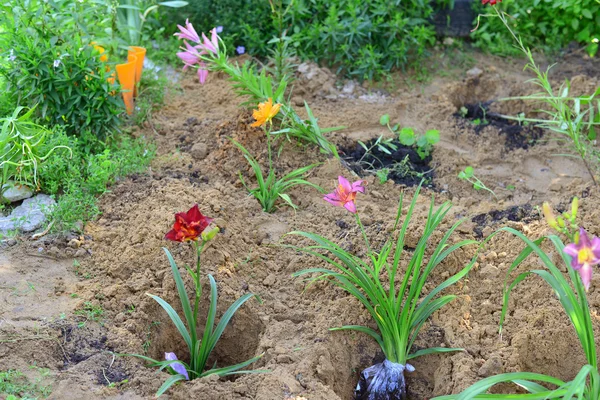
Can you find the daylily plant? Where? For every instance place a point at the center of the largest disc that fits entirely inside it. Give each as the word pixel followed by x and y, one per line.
pixel 392 295
pixel 581 255
pixel 270 189
pixel 195 228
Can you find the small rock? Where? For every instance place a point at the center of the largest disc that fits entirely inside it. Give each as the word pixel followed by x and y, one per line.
pixel 489 271
pixel 199 151
pixel 11 242
pixel 15 192
pixel 284 359
pixel 270 280
pixel 474 72
pixel 81 253
pixel 555 185
pixel 30 215
pixel 74 243
pixel 492 366
pixel 348 87
pixel 448 41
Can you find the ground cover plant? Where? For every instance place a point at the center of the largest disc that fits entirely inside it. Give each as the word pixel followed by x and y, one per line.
pixel 398 311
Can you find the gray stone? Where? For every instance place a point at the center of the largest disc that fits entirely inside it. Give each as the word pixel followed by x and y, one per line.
pixel 29 216
pixel 474 72
pixel 14 192
pixel 348 87
pixel 492 366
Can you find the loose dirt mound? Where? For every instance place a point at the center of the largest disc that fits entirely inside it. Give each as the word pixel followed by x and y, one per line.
pixel 197 163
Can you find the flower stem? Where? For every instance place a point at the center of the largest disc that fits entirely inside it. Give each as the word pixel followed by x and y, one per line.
pixel 364 233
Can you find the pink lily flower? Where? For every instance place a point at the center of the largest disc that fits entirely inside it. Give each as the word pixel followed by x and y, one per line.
pixel 202 73
pixel 211 45
pixel 584 255
pixel 345 194
pixel 190 57
pixel 188 32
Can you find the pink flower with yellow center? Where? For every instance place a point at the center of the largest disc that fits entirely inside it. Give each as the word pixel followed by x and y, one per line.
pixel 345 194
pixel 584 255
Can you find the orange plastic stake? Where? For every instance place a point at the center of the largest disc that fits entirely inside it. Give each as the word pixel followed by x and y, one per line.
pixel 140 53
pixel 126 75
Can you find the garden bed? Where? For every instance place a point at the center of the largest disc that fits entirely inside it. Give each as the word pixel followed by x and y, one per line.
pixel 120 259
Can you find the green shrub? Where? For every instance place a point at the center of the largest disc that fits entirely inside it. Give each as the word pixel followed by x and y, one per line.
pixel 52 63
pixel 364 39
pixel 549 24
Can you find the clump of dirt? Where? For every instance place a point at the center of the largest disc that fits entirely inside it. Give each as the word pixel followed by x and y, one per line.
pixel 403 165
pixel 524 213
pixel 518 136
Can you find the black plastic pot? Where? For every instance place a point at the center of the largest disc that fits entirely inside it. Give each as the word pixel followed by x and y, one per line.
pixel 455 21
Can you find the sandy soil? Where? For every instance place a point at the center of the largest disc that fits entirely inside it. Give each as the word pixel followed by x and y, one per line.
pixel 119 259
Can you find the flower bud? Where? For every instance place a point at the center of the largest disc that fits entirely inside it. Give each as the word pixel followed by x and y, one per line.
pixel 561 222
pixel 549 215
pixel 209 234
pixel 574 207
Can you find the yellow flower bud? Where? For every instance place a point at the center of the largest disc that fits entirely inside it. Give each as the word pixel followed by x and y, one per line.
pixel 574 207
pixel 209 234
pixel 561 222
pixel 549 215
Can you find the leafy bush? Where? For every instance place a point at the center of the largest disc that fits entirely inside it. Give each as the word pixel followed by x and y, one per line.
pixel 53 63
pixel 551 24
pixel 21 143
pixel 365 39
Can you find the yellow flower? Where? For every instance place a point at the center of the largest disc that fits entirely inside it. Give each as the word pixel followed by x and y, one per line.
pixel 265 113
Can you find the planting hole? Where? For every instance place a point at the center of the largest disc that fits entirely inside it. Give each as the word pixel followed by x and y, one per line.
pixel 402 165
pixel 519 135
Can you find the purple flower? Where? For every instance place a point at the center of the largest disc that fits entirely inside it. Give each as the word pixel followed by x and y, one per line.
pixel 584 255
pixel 177 367
pixel 12 56
pixel 240 49
pixel 188 32
pixel 56 63
pixel 219 29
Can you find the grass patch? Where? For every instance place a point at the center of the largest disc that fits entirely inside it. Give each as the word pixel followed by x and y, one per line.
pixel 14 385
pixel 77 182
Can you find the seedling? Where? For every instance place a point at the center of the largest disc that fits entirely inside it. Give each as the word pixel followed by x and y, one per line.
pixel 423 144
pixel 382 174
pixel 468 175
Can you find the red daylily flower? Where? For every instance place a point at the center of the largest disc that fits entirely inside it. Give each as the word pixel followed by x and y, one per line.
pixel 492 2
pixel 188 226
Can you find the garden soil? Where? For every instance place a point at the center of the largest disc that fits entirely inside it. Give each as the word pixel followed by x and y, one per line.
pixel 47 305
